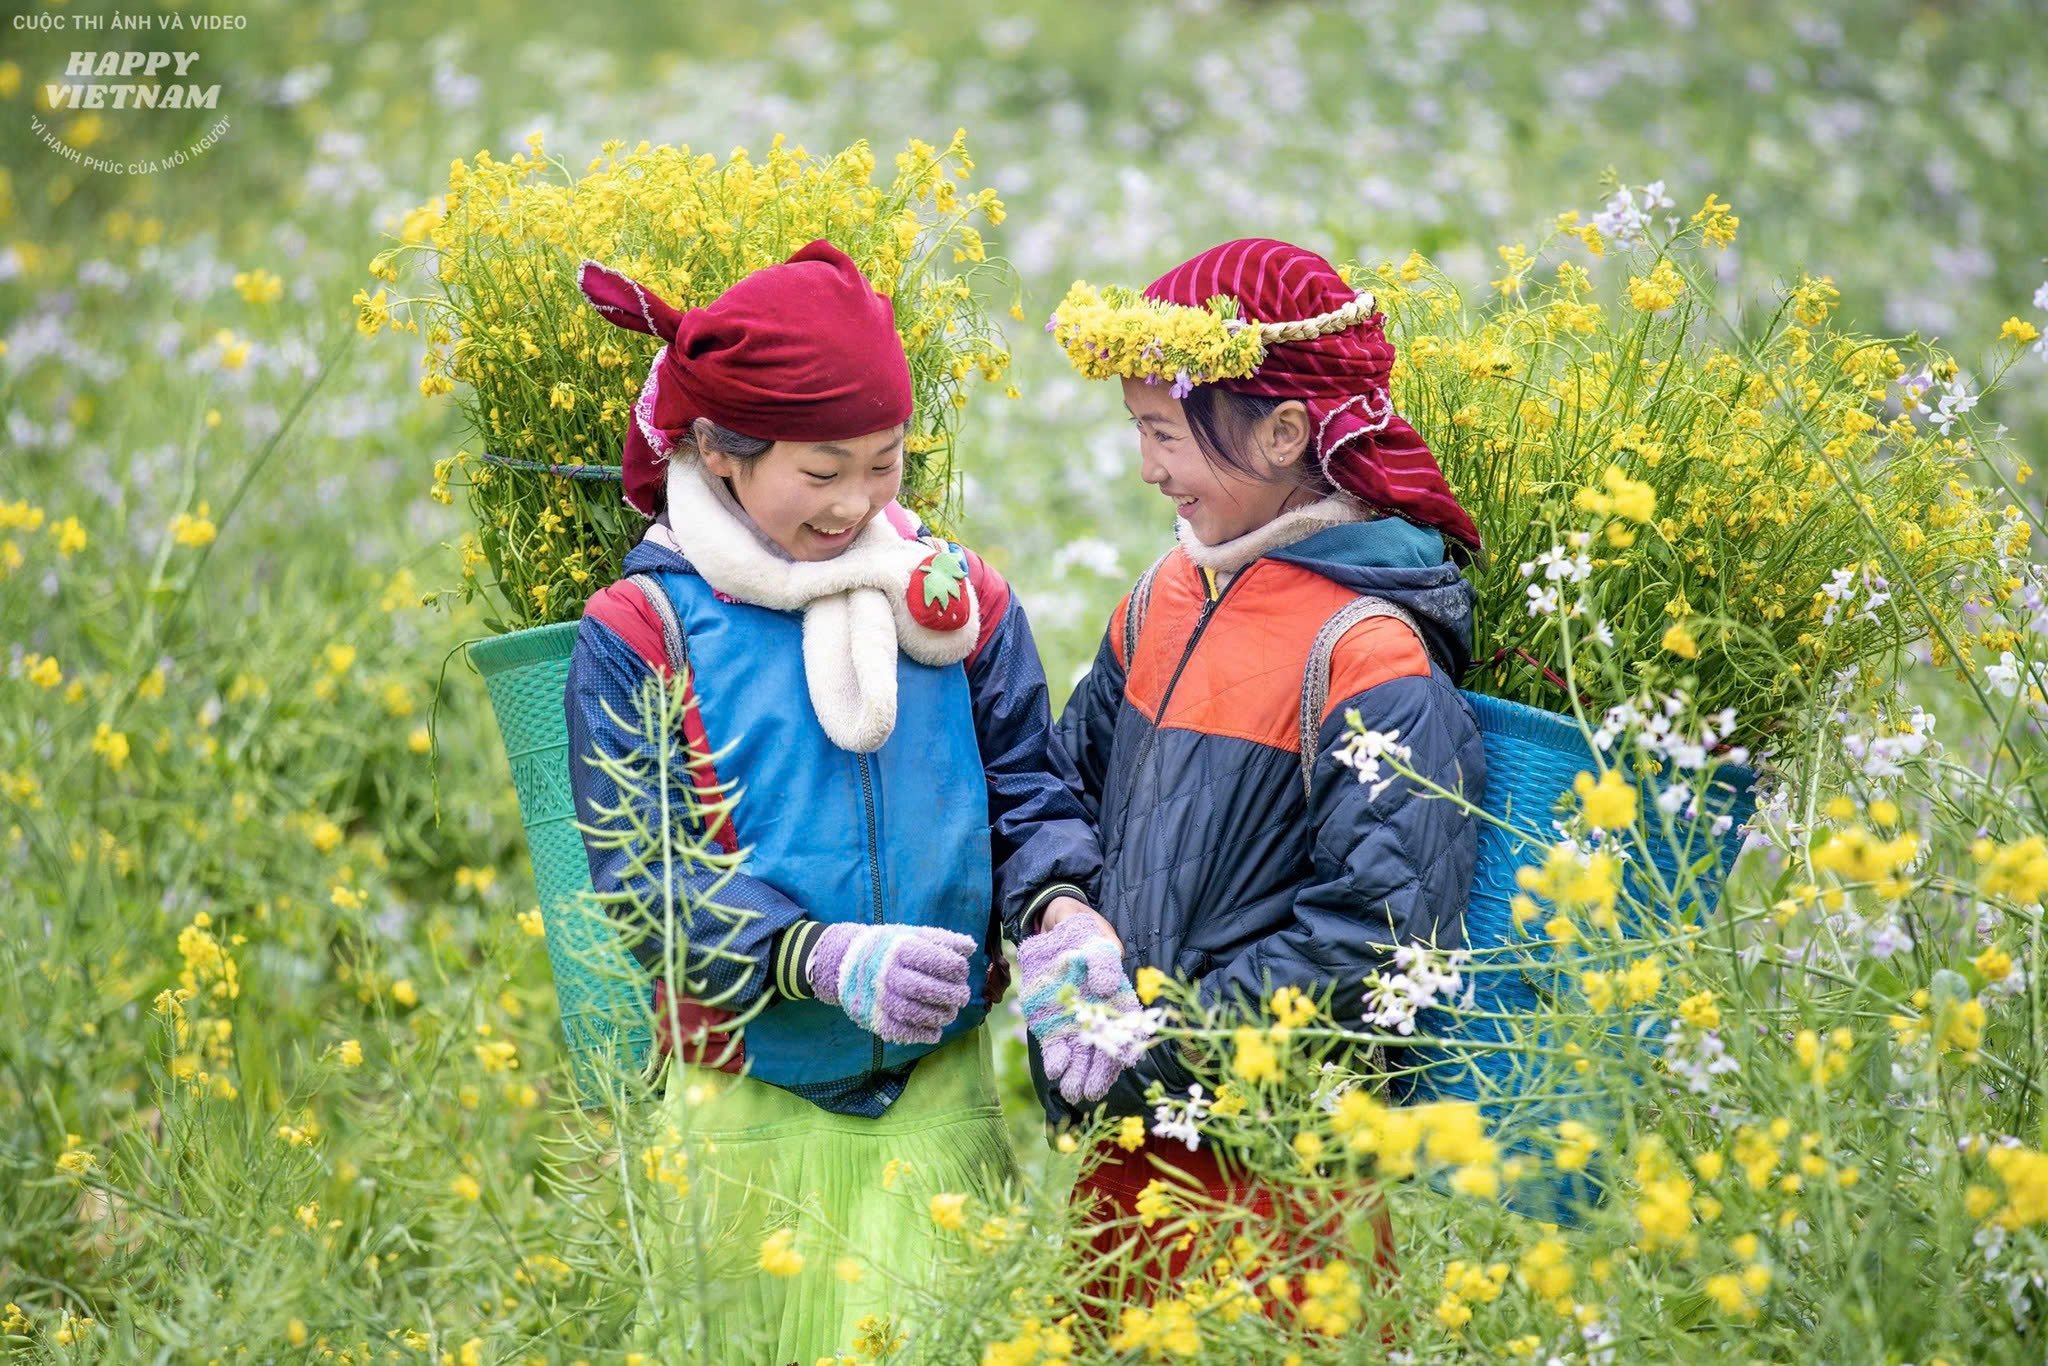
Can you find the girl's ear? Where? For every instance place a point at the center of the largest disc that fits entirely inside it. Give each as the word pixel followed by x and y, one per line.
pixel 1287 434
pixel 716 461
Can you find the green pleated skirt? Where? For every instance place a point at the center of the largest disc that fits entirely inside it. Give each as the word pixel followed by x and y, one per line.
pixel 854 1195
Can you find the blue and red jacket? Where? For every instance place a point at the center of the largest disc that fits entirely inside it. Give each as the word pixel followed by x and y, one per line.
pixel 968 817
pixel 1217 868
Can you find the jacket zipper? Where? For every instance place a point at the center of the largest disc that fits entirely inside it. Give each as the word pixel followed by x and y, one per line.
pixel 1213 600
pixel 867 797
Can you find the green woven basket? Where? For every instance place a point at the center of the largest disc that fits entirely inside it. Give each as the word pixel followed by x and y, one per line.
pixel 600 990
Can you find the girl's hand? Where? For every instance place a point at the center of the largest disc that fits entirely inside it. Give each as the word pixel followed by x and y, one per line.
pixel 904 983
pixel 1062 908
pixel 1071 974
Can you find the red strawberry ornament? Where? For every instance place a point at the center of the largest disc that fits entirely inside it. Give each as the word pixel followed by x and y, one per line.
pixel 938 592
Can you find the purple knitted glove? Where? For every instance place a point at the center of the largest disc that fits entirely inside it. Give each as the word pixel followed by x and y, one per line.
pixel 1063 971
pixel 904 983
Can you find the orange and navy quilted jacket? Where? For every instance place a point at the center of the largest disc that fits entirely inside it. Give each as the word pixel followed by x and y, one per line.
pixel 1217 866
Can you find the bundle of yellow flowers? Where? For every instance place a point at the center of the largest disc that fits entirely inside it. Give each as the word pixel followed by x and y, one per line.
pixel 546 386
pixel 1112 331
pixel 1668 504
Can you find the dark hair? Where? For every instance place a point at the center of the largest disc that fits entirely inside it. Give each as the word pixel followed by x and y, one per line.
pixel 708 435
pixel 1222 422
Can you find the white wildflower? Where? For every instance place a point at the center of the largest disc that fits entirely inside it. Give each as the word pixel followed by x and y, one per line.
pixel 1182 1121
pixel 1912 388
pixel 1955 401
pixel 1620 221
pixel 1558 563
pixel 1838 590
pixel 1331 1084
pixel 1363 750
pixel 1884 754
pixel 1888 937
pixel 1123 1034
pixel 1657 730
pixel 1599 1343
pixel 1697 1058
pixel 1422 978
pixel 2015 677
pixel 2014 983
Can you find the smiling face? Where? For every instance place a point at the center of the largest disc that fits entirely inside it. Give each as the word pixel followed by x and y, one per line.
pixel 813 498
pixel 1218 503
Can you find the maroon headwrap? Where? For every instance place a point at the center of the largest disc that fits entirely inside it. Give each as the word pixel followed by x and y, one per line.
pixel 803 351
pixel 1365 447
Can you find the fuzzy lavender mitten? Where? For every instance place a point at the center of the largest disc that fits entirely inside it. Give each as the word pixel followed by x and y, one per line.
pixel 904 983
pixel 1068 972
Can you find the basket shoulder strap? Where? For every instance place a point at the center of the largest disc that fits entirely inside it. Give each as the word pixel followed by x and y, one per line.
pixel 1134 615
pixel 671 629
pixel 1315 680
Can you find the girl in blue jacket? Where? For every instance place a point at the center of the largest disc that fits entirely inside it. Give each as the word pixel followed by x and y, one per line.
pixel 873 697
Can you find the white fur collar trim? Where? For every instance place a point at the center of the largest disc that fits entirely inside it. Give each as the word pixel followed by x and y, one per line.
pixel 1230 556
pixel 856 606
pixel 663 531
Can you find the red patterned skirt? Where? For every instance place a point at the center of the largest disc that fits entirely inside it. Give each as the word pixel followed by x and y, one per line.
pixel 1278 1223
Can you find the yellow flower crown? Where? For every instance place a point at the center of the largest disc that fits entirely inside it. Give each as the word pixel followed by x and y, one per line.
pixel 1117 333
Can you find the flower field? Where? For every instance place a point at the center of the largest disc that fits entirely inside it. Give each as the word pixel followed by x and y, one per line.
pixel 1726 323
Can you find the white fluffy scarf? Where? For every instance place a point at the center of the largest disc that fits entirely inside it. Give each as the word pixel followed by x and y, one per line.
pixel 856 606
pixel 1227 557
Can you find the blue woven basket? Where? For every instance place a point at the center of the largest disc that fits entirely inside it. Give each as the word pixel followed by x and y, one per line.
pixel 1532 756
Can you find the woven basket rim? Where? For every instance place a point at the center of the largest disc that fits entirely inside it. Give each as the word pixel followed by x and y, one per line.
pixel 517 649
pixel 1500 716
pixel 1557 731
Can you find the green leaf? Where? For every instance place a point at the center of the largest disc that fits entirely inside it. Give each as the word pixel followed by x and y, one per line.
pixel 943 575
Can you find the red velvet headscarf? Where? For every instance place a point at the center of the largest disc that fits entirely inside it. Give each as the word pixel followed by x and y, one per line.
pixel 803 351
pixel 1366 448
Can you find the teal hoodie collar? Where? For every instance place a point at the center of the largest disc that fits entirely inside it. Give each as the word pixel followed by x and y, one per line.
pixel 1383 542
